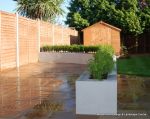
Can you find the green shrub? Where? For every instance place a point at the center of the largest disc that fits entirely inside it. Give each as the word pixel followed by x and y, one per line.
pixel 81 47
pixel 102 63
pixel 71 48
pixel 74 48
pixel 107 49
pixel 46 48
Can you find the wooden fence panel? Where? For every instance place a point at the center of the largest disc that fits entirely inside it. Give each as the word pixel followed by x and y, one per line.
pixel 46 33
pixel 29 35
pixel 33 41
pixel 23 41
pixel 148 43
pixel 8 40
pixel 66 36
pixel 142 46
pixel 116 40
pixel 58 35
pixel 74 37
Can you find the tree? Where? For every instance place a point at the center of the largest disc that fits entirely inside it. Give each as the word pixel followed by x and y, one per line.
pixel 122 14
pixel 74 18
pixel 132 16
pixel 86 12
pixel 125 14
pixel 145 14
pixel 45 10
pixel 130 20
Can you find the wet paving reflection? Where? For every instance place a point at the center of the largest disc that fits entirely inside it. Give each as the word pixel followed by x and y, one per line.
pixel 38 89
pixel 47 91
pixel 46 108
pixel 133 93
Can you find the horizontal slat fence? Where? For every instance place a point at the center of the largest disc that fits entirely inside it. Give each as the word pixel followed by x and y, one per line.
pixel 32 34
pixel 8 40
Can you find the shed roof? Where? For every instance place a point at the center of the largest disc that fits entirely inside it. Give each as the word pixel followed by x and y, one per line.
pixel 101 22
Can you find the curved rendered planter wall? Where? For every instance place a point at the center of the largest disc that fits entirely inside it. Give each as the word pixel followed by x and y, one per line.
pixel 96 97
pixel 54 57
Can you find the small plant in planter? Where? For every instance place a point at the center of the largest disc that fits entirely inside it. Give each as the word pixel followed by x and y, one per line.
pixel 102 63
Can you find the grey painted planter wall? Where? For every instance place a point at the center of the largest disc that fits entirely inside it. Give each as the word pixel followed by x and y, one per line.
pixel 54 57
pixel 96 97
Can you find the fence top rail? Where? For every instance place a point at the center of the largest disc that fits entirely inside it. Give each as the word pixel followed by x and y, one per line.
pixel 7 13
pixel 34 20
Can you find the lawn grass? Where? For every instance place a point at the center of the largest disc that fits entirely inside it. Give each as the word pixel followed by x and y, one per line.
pixel 135 65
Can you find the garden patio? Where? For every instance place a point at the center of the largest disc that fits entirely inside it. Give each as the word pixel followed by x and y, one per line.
pixel 47 91
pixel 43 84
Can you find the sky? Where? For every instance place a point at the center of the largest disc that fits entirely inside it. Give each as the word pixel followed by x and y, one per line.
pixel 10 6
pixel 62 19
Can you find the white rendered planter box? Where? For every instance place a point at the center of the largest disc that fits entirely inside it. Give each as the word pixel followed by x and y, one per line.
pixel 56 57
pixel 95 97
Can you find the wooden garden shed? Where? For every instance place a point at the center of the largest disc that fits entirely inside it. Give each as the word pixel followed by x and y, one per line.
pixel 102 33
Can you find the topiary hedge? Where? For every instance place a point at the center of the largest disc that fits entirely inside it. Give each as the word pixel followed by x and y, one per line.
pixel 70 48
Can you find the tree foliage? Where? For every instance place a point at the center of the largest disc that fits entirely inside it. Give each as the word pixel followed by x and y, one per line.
pixel 132 16
pixel 40 9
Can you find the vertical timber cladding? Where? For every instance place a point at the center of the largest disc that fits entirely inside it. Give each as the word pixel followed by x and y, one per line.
pixel 8 40
pixel 102 33
pixel 46 33
pixel 116 41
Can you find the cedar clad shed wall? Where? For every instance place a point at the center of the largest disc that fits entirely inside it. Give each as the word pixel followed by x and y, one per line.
pixel 116 40
pixel 98 34
pixel 31 35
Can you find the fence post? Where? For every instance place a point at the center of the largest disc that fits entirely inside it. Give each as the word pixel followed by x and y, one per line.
pixel 76 40
pixel 17 41
pixel 62 35
pixel 53 32
pixel 75 33
pixel 39 33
